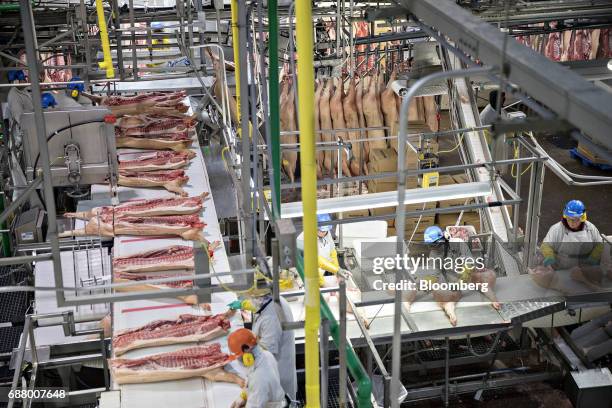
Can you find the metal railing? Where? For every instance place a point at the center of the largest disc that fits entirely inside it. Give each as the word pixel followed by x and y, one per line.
pixel 67 321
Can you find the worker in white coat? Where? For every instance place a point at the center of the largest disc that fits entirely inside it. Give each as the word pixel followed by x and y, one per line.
pixel 268 316
pixel 328 256
pixel 263 388
pixel 573 240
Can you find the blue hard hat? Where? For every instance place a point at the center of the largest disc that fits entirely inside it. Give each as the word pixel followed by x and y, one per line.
pixel 324 218
pixel 47 100
pixel 574 209
pixel 78 86
pixel 16 74
pixel 433 234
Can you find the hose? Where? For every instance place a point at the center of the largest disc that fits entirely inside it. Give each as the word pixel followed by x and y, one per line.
pixel 486 353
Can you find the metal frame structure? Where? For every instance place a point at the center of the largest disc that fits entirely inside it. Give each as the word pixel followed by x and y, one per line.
pixel 252 160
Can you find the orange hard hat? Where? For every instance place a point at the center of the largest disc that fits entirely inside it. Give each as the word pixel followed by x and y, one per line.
pixel 240 338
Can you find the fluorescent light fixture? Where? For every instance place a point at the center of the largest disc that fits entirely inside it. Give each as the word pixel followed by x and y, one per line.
pixel 389 199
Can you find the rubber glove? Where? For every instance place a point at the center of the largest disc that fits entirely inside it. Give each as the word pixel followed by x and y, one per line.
pixel 548 261
pixel 321 278
pixel 327 265
pixel 235 305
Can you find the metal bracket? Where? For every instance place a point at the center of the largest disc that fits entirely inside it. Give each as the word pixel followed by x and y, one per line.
pixel 287 245
pixel 72 158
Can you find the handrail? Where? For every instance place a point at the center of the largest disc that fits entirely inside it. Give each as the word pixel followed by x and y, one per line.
pixel 364 384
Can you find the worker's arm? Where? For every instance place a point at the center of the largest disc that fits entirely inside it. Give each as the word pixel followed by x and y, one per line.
pixel 550 243
pixel 329 265
pixel 548 252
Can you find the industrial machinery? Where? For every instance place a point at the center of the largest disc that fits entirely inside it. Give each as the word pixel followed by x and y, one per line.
pixel 259 117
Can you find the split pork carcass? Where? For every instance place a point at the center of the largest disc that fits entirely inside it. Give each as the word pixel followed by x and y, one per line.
pixel 317 124
pixel 351 118
pixel 188 227
pixel 590 277
pixel 288 123
pixel 171 180
pixel 188 328
pixel 175 257
pixel 373 115
pixel 447 300
pixel 325 118
pixel 157 161
pixel 178 141
pixel 180 280
pixel 202 361
pixel 146 208
pixel 389 109
pixel 170 104
pixel 338 122
pixel 152 124
pixel 489 277
pixel 365 146
pixel 219 88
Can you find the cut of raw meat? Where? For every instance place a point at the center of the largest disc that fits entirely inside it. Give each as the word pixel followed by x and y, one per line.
pixel 178 141
pixel 202 361
pixel 188 227
pixel 171 180
pixel 288 123
pixel 158 161
pixel 153 124
pixel 146 208
pixel 147 103
pixel 187 328
pixel 171 258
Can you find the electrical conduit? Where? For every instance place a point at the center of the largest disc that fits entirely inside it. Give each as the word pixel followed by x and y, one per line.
pixel 364 384
pixel 236 46
pixel 107 63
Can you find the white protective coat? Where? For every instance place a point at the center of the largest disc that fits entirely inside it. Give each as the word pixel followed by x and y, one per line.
pixel 263 383
pixel 267 327
pixel 326 245
pixel 569 245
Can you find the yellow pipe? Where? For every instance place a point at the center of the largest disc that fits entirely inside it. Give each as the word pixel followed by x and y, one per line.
pixel 236 46
pixel 107 64
pixel 305 67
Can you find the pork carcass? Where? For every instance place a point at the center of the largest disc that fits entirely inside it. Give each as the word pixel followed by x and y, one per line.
pixel 389 110
pixel 288 123
pixel 589 277
pixel 553 47
pixel 171 180
pixel 146 208
pixel 187 328
pixel 489 277
pixel 351 117
pixel 317 125
pixel 202 361
pixel 605 44
pixel 373 115
pixel 337 113
pixel 178 141
pixel 566 44
pixel 170 104
pixel 325 118
pixel 153 124
pixel 365 146
pixel 188 227
pixel 447 300
pixel 220 88
pixel 546 277
pixel 157 161
pixel 176 257
pixel 582 45
pixel 181 280
pixel 595 34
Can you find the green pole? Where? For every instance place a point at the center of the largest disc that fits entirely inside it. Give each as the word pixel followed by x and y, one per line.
pixel 364 384
pixel 274 94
